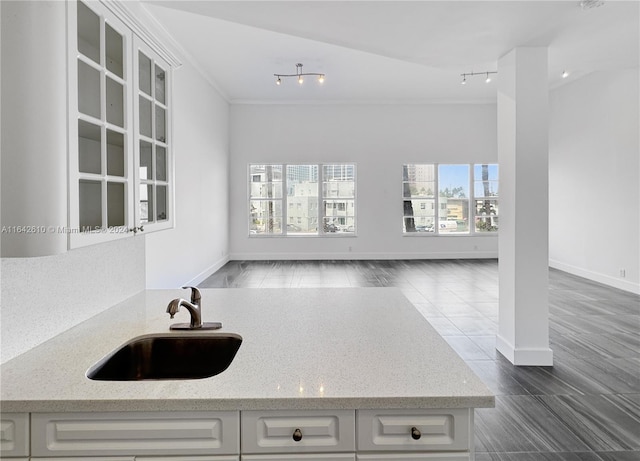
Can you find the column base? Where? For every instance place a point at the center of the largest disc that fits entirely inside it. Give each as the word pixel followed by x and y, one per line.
pixel 539 357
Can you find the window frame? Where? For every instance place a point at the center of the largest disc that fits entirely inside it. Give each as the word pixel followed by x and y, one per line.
pixel 319 215
pixel 438 203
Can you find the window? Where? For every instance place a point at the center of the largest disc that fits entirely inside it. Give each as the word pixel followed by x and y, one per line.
pixel 265 199
pixel 315 193
pixel 485 192
pixel 458 186
pixel 418 191
pixel 453 194
pixel 338 198
pixel 302 191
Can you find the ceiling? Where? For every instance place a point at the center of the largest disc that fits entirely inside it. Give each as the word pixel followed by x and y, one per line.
pixel 391 51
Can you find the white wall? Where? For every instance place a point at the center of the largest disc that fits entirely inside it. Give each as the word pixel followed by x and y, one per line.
pixel 198 245
pixel 44 296
pixel 379 139
pixel 594 178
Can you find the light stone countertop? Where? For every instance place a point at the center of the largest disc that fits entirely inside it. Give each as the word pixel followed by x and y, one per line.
pixel 303 348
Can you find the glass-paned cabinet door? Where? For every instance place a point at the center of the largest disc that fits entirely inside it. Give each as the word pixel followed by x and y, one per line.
pixel 101 180
pixel 153 162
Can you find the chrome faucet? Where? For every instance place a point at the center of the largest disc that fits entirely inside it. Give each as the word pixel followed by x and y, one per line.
pixel 195 309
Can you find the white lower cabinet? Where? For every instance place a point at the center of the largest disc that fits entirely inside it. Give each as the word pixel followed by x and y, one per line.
pixel 423 456
pixel 142 458
pixel 297 432
pixel 412 435
pixel 135 434
pixel 14 435
pixel 305 457
pixel 314 435
pixel 88 458
pixel 189 458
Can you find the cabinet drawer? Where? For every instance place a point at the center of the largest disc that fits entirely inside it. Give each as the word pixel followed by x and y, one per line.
pixel 136 433
pixel 144 458
pixel 417 457
pixel 87 458
pixel 190 458
pixel 298 431
pixel 414 430
pixel 14 435
pixel 312 457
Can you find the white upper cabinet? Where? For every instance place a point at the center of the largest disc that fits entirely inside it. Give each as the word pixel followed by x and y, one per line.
pixel 153 160
pixel 34 128
pixel 101 173
pixel 86 126
pixel 120 167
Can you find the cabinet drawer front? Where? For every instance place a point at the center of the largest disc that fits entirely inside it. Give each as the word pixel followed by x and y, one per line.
pixel 315 431
pixel 433 430
pixel 137 433
pixel 143 458
pixel 189 458
pixel 416 457
pixel 93 458
pixel 14 435
pixel 311 457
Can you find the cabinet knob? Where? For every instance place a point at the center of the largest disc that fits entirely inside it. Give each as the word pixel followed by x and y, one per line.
pixel 415 433
pixel 297 435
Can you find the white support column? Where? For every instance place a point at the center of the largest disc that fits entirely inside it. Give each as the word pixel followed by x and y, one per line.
pixel 523 154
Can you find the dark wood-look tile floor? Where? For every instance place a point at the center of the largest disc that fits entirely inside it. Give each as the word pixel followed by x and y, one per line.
pixel 584 408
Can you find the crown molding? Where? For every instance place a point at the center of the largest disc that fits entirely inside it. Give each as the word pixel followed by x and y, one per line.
pixel 132 21
pixel 364 102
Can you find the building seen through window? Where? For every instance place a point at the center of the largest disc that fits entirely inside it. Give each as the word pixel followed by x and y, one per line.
pixel 458 199
pixel 305 199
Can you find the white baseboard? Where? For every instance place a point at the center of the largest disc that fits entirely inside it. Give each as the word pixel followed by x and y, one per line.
pixel 209 271
pixel 538 357
pixel 280 256
pixel 596 277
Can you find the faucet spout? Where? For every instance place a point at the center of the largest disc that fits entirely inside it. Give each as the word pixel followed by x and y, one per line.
pixel 193 307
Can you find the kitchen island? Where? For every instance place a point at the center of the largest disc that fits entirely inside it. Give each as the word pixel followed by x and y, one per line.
pixel 360 366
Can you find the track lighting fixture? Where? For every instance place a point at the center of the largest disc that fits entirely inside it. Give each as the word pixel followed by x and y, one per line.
pixel 299 74
pixel 471 74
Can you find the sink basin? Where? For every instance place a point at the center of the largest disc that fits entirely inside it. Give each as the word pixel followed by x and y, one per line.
pixel 189 355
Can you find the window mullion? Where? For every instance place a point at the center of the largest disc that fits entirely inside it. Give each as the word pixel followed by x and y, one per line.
pixel 284 197
pixel 436 193
pixel 472 200
pixel 321 204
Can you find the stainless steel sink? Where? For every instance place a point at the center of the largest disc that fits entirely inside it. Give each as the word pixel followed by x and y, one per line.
pixel 168 356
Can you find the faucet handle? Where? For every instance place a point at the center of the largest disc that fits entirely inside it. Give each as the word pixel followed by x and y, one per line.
pixel 195 295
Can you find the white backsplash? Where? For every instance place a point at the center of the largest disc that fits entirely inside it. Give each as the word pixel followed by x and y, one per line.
pixel 44 296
